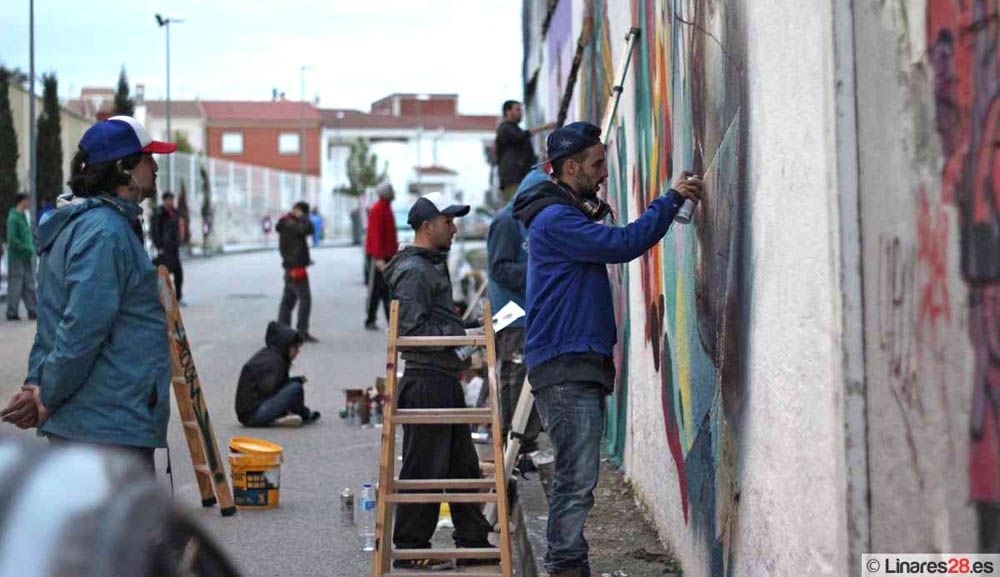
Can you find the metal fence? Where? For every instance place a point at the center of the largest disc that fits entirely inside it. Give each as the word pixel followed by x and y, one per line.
pixel 246 201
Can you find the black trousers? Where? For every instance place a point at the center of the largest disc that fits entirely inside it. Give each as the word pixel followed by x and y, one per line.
pixel 173 263
pixel 437 452
pixel 379 294
pixel 296 292
pixel 510 344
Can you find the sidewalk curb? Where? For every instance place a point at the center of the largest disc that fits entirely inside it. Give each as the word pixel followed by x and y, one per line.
pixel 242 249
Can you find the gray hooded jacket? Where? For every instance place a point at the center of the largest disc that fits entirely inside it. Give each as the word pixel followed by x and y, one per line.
pixel 420 281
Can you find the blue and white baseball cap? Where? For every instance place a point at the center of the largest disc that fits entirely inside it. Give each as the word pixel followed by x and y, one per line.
pixel 118 137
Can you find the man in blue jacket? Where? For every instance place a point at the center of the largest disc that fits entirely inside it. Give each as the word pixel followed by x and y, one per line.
pixel 570 328
pixel 507 246
pixel 99 371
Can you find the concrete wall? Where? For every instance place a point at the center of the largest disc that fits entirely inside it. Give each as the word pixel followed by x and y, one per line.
pixel 928 123
pixel 800 369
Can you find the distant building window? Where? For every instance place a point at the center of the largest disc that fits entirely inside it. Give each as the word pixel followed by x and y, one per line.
pixel 232 143
pixel 288 143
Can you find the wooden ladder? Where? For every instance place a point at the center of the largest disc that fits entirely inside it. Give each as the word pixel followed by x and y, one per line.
pixel 391 490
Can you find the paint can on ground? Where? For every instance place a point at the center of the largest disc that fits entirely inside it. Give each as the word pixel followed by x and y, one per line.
pixel 256 471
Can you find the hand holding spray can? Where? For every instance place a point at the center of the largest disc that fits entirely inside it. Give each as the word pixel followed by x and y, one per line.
pixel 686 212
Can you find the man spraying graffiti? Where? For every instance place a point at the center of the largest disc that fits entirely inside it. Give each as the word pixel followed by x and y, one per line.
pixel 99 371
pixel 570 328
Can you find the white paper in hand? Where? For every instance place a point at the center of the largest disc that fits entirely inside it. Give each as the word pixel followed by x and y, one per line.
pixel 505 316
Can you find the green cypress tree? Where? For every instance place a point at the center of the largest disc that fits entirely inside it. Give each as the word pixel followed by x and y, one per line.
pixel 50 154
pixel 8 152
pixel 124 104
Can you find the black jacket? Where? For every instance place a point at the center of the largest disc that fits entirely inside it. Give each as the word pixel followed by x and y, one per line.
pixel 515 155
pixel 293 243
pixel 266 372
pixel 419 279
pixel 167 230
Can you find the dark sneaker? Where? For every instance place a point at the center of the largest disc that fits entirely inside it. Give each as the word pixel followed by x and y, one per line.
pixel 371 327
pixel 313 417
pixel 13 318
pixel 309 338
pixel 424 564
pixel 32 316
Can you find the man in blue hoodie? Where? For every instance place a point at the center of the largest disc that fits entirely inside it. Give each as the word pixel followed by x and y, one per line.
pixel 99 371
pixel 570 328
pixel 507 246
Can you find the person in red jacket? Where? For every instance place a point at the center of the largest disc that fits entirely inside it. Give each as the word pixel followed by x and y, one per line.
pixel 380 246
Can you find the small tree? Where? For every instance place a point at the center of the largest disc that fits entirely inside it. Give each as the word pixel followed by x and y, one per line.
pixel 8 152
pixel 362 169
pixel 49 177
pixel 124 104
pixel 206 208
pixel 183 144
pixel 183 213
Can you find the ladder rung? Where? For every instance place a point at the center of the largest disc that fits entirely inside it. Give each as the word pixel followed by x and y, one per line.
pixel 457 553
pixel 459 341
pixel 410 573
pixel 441 416
pixel 446 484
pixel 441 498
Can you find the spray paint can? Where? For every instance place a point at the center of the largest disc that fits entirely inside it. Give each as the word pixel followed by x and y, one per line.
pixel 347 507
pixel 686 213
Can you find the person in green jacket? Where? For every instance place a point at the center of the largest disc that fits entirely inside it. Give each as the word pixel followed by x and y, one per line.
pixel 20 252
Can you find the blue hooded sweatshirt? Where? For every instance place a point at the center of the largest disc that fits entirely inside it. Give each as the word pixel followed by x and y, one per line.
pixel 101 357
pixel 569 305
pixel 507 246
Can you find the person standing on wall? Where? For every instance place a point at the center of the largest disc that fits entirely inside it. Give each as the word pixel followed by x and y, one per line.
pixel 507 247
pixel 294 230
pixel 167 229
pixel 515 154
pixel 99 370
pixel 20 260
pixel 570 330
pixel 381 244
pixel 419 278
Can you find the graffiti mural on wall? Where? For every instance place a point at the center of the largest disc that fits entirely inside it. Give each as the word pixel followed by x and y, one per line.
pixel 686 63
pixel 964 41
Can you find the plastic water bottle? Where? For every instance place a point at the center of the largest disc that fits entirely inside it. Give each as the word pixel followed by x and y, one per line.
pixel 366 517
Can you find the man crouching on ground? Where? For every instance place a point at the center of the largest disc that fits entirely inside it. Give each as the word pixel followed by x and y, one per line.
pixel 570 328
pixel 419 279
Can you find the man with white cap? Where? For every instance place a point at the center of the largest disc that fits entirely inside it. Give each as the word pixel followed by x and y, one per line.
pixel 419 279
pixel 99 371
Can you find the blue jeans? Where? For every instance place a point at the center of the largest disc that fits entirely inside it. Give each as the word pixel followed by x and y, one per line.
pixel 573 414
pixel 290 398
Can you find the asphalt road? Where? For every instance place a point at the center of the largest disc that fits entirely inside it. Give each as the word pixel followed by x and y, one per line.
pixel 230 300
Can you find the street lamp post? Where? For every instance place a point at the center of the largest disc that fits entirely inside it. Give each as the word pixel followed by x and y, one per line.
pixel 302 129
pixel 32 122
pixel 165 21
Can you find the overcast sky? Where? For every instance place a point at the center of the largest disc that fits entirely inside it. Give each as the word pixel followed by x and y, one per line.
pixel 359 50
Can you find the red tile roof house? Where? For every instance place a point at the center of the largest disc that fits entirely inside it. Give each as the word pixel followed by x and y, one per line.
pixel 264 133
pixel 423 141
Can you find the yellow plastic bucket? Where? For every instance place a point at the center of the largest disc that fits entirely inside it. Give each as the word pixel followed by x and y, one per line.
pixel 256 472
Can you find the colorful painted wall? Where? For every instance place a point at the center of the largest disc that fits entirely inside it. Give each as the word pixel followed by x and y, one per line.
pixel 930 191
pixel 846 148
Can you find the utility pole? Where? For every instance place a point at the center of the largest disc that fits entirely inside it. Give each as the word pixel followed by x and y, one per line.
pixel 33 122
pixel 302 130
